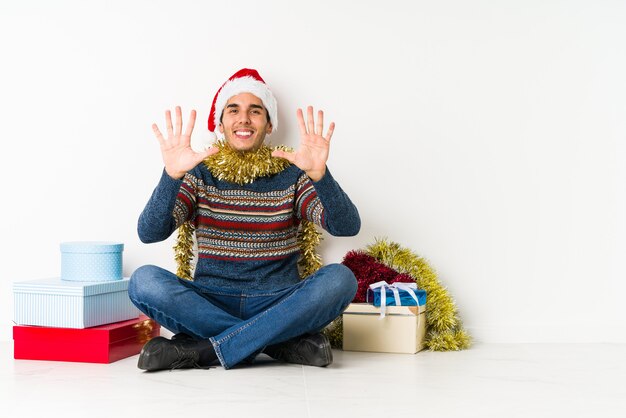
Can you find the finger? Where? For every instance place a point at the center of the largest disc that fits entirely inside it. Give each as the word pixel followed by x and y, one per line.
pixel 179 121
pixel 331 129
pixel 309 119
pixel 168 123
pixel 289 156
pixel 301 122
pixel 319 127
pixel 158 134
pixel 191 123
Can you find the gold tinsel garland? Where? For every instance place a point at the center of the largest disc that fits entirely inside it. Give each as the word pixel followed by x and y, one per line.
pixel 183 251
pixel 143 331
pixel 308 240
pixel 242 168
pixel 444 330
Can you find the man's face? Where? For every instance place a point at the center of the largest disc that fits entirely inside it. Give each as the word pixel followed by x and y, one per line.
pixel 244 122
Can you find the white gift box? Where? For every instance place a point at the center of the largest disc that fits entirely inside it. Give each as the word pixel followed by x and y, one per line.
pixel 401 330
pixel 71 304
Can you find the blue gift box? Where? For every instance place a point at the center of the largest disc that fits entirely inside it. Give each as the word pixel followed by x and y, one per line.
pixel 71 304
pixel 91 261
pixel 373 297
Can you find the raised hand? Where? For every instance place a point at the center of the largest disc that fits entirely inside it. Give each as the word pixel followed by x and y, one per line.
pixel 178 156
pixel 312 154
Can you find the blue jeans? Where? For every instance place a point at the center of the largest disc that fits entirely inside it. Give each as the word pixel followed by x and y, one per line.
pixel 239 323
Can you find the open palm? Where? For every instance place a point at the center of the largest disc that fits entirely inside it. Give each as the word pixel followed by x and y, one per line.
pixel 178 156
pixel 312 154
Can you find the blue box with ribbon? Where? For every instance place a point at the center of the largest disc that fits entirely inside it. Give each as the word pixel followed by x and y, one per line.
pixel 395 294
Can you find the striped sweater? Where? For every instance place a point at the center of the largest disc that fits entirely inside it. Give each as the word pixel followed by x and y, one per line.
pixel 247 233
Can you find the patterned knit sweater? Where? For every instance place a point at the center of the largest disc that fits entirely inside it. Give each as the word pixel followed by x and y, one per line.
pixel 247 233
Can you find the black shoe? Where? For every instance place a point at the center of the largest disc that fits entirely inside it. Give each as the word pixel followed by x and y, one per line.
pixel 181 336
pixel 160 354
pixel 311 350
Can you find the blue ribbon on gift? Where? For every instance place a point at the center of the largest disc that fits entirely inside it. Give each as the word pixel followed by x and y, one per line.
pixel 396 294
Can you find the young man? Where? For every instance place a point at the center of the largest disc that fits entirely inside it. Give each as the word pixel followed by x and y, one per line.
pixel 246 296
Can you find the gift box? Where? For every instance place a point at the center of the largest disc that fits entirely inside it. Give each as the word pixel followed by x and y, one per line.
pixel 401 330
pixel 91 261
pixel 404 296
pixel 101 344
pixel 68 304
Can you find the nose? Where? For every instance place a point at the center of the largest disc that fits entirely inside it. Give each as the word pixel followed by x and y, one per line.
pixel 243 118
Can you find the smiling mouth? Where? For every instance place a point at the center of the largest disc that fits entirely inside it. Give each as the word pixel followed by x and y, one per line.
pixel 243 133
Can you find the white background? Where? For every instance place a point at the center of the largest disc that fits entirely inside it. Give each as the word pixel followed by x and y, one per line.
pixel 486 136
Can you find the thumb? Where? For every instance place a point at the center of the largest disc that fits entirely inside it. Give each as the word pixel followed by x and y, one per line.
pixel 210 151
pixel 203 155
pixel 289 156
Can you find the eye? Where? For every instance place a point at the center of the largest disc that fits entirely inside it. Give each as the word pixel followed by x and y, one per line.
pixel 232 110
pixel 256 112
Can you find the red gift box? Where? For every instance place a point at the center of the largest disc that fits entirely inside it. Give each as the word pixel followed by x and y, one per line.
pixel 101 344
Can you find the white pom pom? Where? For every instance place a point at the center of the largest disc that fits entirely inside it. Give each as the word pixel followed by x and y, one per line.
pixel 202 144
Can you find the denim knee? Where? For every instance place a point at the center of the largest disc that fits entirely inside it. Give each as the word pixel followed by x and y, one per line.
pixel 144 284
pixel 344 281
pixel 338 284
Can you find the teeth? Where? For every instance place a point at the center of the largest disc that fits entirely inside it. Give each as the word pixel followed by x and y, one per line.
pixel 243 133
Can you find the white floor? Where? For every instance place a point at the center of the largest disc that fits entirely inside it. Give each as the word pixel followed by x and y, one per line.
pixel 578 380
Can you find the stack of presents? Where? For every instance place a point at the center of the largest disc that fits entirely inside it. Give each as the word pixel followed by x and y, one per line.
pixel 85 315
pixel 392 320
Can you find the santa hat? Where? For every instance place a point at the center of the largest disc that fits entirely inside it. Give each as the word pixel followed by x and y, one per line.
pixel 245 80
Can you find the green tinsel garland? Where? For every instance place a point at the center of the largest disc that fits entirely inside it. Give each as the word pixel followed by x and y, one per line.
pixel 444 330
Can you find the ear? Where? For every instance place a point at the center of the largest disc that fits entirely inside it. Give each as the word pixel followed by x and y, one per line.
pixel 269 128
pixel 221 128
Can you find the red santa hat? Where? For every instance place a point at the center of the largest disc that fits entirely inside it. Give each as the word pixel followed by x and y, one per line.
pixel 245 80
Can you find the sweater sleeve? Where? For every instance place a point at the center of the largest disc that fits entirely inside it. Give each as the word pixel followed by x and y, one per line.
pixel 327 205
pixel 172 203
